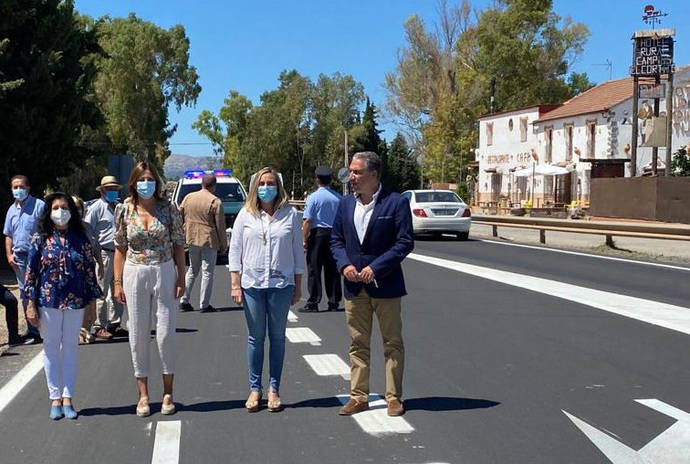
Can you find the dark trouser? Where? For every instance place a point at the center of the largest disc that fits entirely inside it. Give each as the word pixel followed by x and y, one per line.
pixel 10 303
pixel 319 257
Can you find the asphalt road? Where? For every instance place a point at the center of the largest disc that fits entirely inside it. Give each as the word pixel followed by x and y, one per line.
pixel 490 370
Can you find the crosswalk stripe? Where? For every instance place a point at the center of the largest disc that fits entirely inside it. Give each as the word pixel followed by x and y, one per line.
pixel 376 420
pixel 166 447
pixel 328 364
pixel 302 335
pixel 292 317
pixel 653 312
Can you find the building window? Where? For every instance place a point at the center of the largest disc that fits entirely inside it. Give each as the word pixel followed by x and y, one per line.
pixel 591 138
pixel 489 133
pixel 568 129
pixel 510 124
pixel 548 133
pixel 523 129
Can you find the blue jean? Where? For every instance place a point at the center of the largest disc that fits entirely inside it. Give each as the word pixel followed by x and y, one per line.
pixel 266 307
pixel 20 273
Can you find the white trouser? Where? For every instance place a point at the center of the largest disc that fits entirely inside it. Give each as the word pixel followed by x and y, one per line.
pixel 60 332
pixel 108 309
pixel 204 258
pixel 150 294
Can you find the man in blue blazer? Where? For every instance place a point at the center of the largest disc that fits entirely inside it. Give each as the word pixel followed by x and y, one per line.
pixel 372 234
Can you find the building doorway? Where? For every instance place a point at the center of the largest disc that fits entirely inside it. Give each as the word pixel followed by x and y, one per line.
pixel 563 190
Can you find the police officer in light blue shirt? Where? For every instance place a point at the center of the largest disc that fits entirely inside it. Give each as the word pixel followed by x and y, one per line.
pixel 21 222
pixel 319 212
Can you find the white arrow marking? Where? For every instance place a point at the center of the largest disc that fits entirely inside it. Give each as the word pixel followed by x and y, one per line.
pixel 669 447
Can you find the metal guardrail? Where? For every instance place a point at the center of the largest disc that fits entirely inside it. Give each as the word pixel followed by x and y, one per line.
pixel 299 204
pixel 609 229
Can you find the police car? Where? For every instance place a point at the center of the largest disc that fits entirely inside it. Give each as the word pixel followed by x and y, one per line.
pixel 228 189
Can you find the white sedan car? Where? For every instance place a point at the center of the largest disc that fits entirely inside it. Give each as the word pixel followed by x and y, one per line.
pixel 439 211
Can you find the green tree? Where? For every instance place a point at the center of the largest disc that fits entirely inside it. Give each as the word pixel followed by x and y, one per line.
pixel 528 49
pixel 680 164
pixel 370 139
pixel 295 127
pixel 441 83
pixel 46 60
pixel 6 86
pixel 401 170
pixel 227 130
pixel 144 71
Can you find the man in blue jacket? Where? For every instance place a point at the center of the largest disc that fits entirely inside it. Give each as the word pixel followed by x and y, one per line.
pixel 372 234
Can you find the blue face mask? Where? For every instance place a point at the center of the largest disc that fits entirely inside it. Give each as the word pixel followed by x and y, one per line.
pixel 111 196
pixel 146 188
pixel 267 193
pixel 19 194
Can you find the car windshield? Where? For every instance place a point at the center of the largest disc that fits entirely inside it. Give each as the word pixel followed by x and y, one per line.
pixel 230 191
pixel 437 197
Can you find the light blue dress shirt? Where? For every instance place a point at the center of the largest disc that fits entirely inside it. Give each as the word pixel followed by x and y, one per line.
pixel 321 207
pixel 101 217
pixel 21 222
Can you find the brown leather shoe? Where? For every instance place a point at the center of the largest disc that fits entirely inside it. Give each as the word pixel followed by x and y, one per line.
pixel 395 408
pixel 353 407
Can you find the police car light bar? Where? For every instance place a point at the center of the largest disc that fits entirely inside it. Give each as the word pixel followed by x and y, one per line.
pixel 222 172
pixel 194 174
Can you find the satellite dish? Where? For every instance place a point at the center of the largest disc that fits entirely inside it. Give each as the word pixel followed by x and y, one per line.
pixel 343 175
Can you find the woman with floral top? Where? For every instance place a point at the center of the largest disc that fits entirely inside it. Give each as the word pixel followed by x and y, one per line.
pixel 149 276
pixel 60 282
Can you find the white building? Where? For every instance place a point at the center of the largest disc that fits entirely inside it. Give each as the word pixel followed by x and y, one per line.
pixel 593 126
pixel 506 143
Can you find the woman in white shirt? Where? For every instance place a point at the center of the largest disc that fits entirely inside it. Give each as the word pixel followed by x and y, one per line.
pixel 266 262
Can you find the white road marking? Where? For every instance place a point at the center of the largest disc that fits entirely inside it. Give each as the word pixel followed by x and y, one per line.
pixel 589 255
pixel 376 421
pixel 670 446
pixel 664 315
pixel 328 364
pixel 302 335
pixel 19 381
pixel 166 447
pixel 292 317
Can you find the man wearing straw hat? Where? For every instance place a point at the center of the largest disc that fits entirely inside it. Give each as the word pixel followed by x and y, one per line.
pixel 100 215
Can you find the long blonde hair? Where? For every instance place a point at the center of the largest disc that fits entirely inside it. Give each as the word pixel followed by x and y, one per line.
pixel 253 204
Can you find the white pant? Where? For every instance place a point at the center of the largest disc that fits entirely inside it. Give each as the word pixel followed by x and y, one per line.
pixel 108 309
pixel 150 294
pixel 60 331
pixel 204 257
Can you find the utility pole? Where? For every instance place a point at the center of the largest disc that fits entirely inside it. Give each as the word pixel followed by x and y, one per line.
pixel 669 123
pixel 345 159
pixel 655 150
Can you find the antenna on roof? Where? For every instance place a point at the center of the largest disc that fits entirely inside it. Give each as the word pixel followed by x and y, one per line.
pixel 607 64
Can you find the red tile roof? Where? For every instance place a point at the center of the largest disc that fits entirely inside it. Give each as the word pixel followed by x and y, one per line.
pixel 599 98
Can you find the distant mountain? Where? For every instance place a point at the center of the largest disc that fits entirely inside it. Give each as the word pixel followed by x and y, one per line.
pixel 176 165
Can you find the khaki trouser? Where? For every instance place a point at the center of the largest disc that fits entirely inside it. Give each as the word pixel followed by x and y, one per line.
pixel 358 314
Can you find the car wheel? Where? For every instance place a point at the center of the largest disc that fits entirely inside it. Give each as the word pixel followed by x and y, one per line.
pixel 462 236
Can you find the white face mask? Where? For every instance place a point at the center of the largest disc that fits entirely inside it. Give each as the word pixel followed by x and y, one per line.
pixel 60 216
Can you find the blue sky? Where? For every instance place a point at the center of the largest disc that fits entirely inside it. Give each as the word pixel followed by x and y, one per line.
pixel 243 46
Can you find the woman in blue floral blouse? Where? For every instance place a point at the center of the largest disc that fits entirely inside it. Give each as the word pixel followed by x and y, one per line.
pixel 60 282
